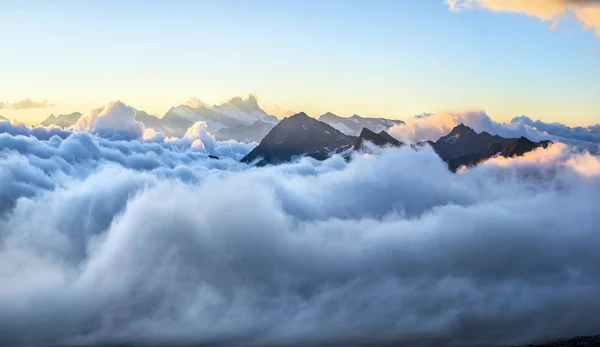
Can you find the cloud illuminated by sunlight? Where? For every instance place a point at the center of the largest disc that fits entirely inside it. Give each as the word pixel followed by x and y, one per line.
pixel 24 104
pixel 585 11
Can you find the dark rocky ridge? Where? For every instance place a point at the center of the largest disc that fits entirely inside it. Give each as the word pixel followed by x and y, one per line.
pixel 302 135
pixel 463 140
pixel 299 135
pixel 463 146
pixel 380 139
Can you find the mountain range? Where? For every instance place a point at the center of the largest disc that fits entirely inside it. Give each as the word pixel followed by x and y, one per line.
pixel 301 135
pixel 239 119
pixel 355 124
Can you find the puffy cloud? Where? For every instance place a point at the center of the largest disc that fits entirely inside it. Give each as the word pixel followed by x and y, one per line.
pixel 589 133
pixel 585 11
pixel 115 120
pixel 43 133
pixel 434 126
pixel 24 104
pixel 140 242
pixel 153 135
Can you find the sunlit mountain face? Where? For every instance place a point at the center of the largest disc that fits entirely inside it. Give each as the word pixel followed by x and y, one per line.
pixel 314 173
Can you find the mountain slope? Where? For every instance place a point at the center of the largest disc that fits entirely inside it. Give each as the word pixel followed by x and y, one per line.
pixel 521 146
pixel 463 140
pixel 299 135
pixel 62 120
pixel 354 125
pixel 381 139
pixel 463 146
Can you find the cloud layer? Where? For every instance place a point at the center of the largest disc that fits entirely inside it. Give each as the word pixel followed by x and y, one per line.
pixel 139 242
pixel 24 104
pixel 433 126
pixel 585 11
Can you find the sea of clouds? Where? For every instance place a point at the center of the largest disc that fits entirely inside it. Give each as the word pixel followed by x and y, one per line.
pixel 114 234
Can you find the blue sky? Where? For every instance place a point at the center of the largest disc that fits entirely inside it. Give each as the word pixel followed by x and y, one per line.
pixel 374 58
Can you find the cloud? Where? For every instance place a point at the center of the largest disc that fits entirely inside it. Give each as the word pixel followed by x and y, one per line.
pixel 24 104
pixel 143 242
pixel 115 121
pixel 585 11
pixel 15 127
pixel 434 126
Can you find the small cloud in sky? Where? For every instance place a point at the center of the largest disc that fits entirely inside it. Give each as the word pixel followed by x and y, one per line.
pixel 24 104
pixel 585 11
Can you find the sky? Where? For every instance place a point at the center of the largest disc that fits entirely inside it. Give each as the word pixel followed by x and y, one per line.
pixel 380 58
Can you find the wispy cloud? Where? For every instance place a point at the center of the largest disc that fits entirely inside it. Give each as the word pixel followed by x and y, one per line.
pixel 585 11
pixel 24 104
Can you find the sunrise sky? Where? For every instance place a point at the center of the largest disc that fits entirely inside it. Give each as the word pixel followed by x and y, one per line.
pixel 393 59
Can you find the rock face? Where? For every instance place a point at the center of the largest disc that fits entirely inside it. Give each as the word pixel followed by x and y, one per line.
pixel 521 146
pixel 463 140
pixel 62 120
pixel 463 146
pixel 381 139
pixel 355 124
pixel 299 135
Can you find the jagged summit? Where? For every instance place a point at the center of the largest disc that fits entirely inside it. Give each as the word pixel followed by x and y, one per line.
pixel 299 135
pixel 250 103
pixel 380 139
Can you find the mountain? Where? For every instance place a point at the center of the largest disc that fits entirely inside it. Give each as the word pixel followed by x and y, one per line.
pixel 355 124
pixel 235 113
pixel 62 120
pixel 463 140
pixel 174 126
pixel 254 132
pixel 299 135
pixel 381 139
pixel 521 146
pixel 463 146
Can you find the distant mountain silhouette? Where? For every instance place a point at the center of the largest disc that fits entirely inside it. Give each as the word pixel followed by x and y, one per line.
pixel 62 120
pixel 296 136
pixel 235 113
pixel 254 132
pixel 355 124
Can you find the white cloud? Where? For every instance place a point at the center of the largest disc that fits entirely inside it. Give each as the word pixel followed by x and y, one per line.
pixel 115 120
pixel 140 242
pixel 585 11
pixel 24 104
